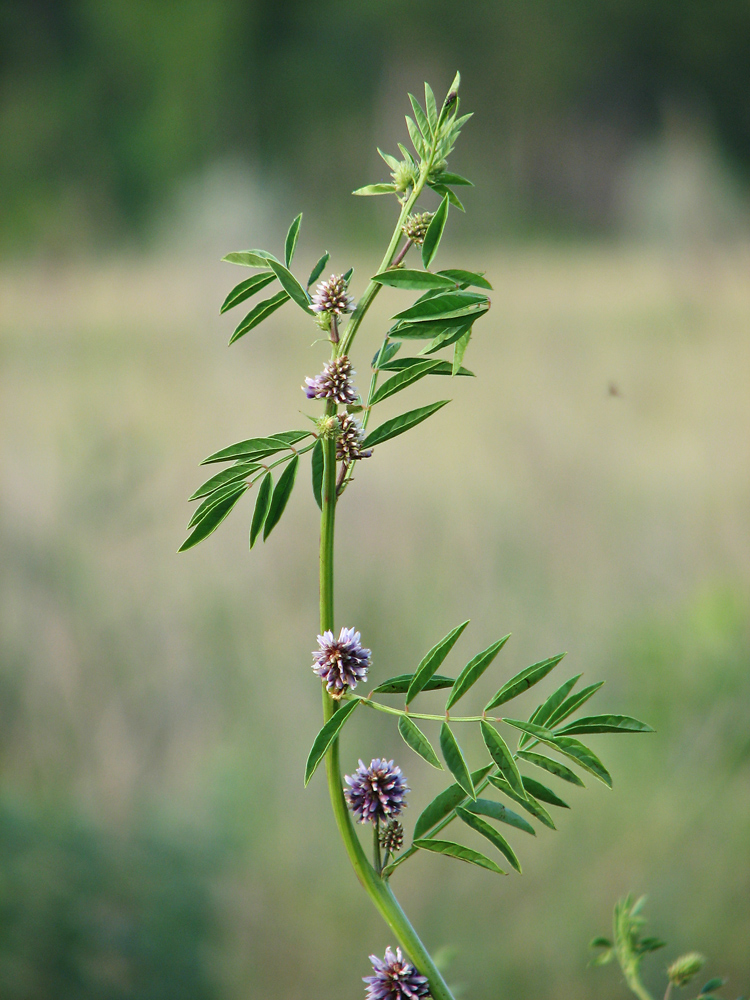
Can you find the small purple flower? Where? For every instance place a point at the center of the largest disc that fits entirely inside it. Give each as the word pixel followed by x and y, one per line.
pixel 376 792
pixel 334 382
pixel 341 662
pixel 330 296
pixel 395 979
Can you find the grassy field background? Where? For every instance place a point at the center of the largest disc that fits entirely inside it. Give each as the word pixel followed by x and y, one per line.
pixel 588 491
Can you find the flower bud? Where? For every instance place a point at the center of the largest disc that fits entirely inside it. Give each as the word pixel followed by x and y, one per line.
pixel 416 226
pixel 404 176
pixel 682 970
pixel 392 837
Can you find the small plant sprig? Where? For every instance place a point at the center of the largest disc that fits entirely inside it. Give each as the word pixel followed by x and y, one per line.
pixel 629 948
pixel 442 318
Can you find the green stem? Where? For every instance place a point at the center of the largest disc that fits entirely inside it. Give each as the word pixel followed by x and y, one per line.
pixel 374 884
pixel 373 288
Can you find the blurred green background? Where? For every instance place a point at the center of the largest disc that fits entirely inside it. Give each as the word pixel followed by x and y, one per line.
pixel 589 491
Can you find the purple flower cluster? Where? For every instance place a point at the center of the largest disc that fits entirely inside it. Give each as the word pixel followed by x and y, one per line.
pixel 330 296
pixel 349 440
pixel 334 382
pixel 341 663
pixel 376 792
pixel 395 979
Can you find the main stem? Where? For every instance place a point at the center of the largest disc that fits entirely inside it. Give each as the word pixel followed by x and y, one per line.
pixel 374 885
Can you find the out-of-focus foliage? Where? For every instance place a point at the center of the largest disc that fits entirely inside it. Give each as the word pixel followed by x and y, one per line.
pixel 90 915
pixel 104 106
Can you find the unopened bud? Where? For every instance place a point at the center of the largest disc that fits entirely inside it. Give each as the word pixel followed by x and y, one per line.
pixel 404 176
pixel 682 970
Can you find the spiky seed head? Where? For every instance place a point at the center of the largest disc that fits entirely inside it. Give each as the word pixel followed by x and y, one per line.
pixel 376 792
pixel 392 837
pixel 404 176
pixel 331 296
pixel 349 440
pixel 341 663
pixel 394 978
pixel 416 226
pixel 334 382
pixel 682 970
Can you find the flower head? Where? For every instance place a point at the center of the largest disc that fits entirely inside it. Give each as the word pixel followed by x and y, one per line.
pixel 395 979
pixel 404 176
pixel 331 296
pixel 392 837
pixel 349 440
pixel 341 662
pixel 415 227
pixel 334 382
pixel 376 792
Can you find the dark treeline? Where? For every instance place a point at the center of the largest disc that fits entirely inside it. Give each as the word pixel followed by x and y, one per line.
pixel 105 105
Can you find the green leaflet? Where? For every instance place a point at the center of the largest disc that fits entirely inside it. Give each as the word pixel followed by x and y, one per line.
pixel 444 803
pixel 455 760
pixel 529 803
pixel 496 839
pixel 432 661
pixel 398 425
pixel 211 521
pixel 402 379
pixel 318 269
pixel 572 703
pixel 439 367
pixel 541 792
pixel 474 670
pixel 431 107
pixel 567 745
pixel 247 288
pixel 453 305
pixel 216 497
pixel 499 812
pixel 370 189
pixel 262 503
pixel 583 756
pixel 542 713
pixel 291 286
pixel 317 472
pixel 503 758
pixel 416 739
pixel 523 681
pixel 448 193
pixel 254 446
pixel 290 243
pixel 416 139
pixel 445 177
pixel 435 232
pixel 280 498
pixel 234 473
pixel 452 850
pixel 326 736
pixel 605 724
pixel 421 118
pixel 262 311
pixel 249 258
pixel 417 280
pixel 426 331
pixel 459 350
pixel 400 684
pixel 383 356
pixel 391 161
pixel 466 277
pixel 450 335
pixel 552 766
